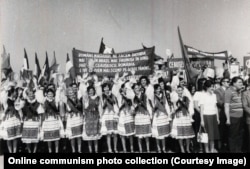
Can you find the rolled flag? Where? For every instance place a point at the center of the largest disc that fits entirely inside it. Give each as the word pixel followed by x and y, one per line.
pixel 25 60
pixel 37 67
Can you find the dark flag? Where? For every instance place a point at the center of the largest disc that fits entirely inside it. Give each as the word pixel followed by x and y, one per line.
pixel 156 57
pixel 37 67
pixel 191 73
pixel 105 49
pixel 102 47
pixel 46 68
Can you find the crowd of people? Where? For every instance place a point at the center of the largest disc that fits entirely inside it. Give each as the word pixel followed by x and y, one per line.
pixel 145 114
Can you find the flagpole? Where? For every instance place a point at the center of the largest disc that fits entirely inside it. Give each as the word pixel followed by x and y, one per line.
pixel 185 57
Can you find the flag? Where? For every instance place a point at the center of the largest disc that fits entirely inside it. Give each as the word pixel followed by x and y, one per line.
pixel 45 73
pixel 53 69
pixel 37 67
pixel 70 72
pixel 6 69
pixel 54 66
pixel 191 73
pixel 105 49
pixel 102 47
pixel 25 60
pixel 4 55
pixel 156 57
pixel 25 68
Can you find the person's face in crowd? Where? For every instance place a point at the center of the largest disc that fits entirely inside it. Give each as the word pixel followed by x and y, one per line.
pixel 91 92
pixel 106 90
pixel 179 91
pixel 105 79
pixel 248 87
pixel 144 82
pixel 158 90
pixel 182 83
pixel 72 96
pixel 137 89
pixel 238 84
pixel 161 85
pixel 225 83
pixel 50 96
pixel 210 89
pixel 31 95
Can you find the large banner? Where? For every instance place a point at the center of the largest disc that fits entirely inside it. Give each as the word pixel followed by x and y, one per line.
pixel 195 53
pixel 141 61
pixel 197 63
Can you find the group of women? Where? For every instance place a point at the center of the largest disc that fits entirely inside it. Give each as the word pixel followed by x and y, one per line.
pixel 92 109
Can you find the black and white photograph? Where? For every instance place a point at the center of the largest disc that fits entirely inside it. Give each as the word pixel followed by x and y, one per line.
pixel 124 76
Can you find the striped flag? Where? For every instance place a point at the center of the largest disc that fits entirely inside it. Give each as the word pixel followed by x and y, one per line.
pixel 45 73
pixel 105 49
pixel 70 72
pixel 54 68
pixel 25 68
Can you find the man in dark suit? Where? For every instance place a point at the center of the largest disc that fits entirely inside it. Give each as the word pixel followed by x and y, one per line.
pixel 223 128
pixel 246 107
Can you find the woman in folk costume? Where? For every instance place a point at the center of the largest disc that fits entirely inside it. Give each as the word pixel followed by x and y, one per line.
pixel 142 117
pixel 126 125
pixel 91 127
pixel 109 117
pixel 61 101
pixel 149 91
pixel 182 123
pixel 19 104
pixel 52 127
pixel 161 118
pixel 11 121
pixel 74 127
pixel 31 119
pixel 75 117
pixel 166 90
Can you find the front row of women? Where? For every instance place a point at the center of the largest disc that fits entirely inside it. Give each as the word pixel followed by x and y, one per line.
pixel 93 117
